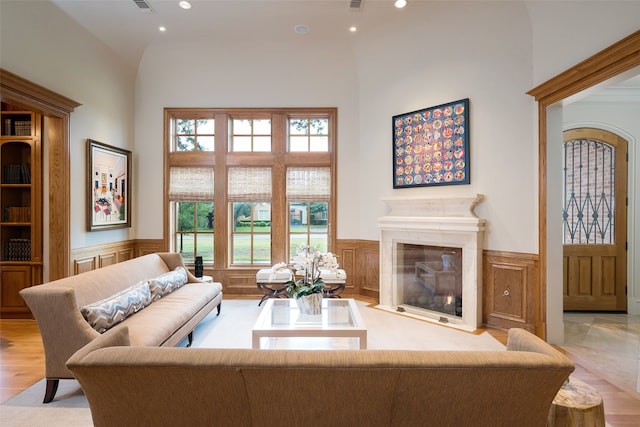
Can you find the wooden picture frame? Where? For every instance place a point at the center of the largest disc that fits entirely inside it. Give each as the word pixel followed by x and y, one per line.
pixel 431 146
pixel 108 186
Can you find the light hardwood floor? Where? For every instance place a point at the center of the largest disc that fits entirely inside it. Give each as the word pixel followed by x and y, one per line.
pixel 21 356
pixel 22 365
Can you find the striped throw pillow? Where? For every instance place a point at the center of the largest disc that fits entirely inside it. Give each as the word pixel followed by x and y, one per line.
pixel 104 314
pixel 167 283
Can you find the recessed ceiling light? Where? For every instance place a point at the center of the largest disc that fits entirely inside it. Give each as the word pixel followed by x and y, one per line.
pixel 185 4
pixel 301 29
pixel 162 28
pixel 400 3
pixel 353 29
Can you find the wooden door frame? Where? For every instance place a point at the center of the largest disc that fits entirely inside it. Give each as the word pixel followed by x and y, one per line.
pixel 608 63
pixel 19 91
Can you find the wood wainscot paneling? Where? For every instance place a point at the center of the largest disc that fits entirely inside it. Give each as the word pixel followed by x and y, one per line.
pixel 91 258
pixel 238 282
pixel 510 282
pixel 148 246
pixel 83 265
pixel 360 259
pixel 108 258
pixel 94 257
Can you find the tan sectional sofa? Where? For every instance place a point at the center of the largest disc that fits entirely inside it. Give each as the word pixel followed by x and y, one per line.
pixel 63 306
pixel 127 385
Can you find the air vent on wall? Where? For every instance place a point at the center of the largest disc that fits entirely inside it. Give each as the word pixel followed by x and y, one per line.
pixel 143 5
pixel 356 4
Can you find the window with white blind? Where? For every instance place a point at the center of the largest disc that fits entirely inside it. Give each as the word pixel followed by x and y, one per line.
pixel 308 194
pixel 245 187
pixel 249 195
pixel 191 197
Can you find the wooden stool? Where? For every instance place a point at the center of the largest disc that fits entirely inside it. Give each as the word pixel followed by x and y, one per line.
pixel 576 404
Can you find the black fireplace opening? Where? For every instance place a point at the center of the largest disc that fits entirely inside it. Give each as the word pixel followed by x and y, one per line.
pixel 429 278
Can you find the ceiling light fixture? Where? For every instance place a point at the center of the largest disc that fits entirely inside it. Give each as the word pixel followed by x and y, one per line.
pixel 162 28
pixel 400 3
pixel 353 29
pixel 301 29
pixel 185 5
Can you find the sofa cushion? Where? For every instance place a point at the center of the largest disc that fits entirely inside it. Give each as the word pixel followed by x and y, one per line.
pixel 167 283
pixel 158 322
pixel 106 313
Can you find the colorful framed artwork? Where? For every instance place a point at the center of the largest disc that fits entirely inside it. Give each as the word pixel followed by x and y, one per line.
pixel 431 146
pixel 108 186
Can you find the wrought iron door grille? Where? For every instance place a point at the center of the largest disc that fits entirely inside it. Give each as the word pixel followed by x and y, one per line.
pixel 589 192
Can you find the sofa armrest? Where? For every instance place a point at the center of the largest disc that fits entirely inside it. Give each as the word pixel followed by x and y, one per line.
pixel 112 338
pixel 522 340
pixel 62 327
pixel 174 260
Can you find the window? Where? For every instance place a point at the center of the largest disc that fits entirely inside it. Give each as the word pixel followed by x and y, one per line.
pixel 249 194
pixel 308 134
pixel 195 135
pixel 247 186
pixel 308 193
pixel 589 192
pixel 251 135
pixel 194 230
pixel 191 194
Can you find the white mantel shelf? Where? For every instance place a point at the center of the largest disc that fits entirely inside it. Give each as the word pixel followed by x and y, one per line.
pixel 433 207
pixel 431 223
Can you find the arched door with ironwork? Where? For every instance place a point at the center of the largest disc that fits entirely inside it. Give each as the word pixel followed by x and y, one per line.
pixel 594 220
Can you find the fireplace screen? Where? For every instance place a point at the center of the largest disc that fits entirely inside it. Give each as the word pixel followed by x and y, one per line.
pixel 429 278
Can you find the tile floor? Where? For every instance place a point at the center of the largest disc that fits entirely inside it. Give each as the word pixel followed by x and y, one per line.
pixel 608 343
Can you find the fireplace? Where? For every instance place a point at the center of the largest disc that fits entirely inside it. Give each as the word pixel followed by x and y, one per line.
pixel 431 260
pixel 429 278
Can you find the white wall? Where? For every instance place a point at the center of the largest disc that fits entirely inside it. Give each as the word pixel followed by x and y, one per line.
pixel 40 43
pixel 568 32
pixel 621 119
pixel 304 72
pixel 441 53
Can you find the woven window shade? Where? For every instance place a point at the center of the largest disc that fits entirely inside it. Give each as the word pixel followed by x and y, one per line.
pixel 191 184
pixel 249 184
pixel 308 183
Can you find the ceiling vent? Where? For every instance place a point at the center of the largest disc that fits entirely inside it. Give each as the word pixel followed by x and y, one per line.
pixel 143 5
pixel 356 4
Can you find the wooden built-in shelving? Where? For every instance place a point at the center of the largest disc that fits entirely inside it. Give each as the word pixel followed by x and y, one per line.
pixel 20 208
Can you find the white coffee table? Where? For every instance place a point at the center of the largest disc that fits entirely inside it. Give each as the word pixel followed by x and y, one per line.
pixel 282 326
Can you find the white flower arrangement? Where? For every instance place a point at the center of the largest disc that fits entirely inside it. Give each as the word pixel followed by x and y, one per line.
pixel 307 264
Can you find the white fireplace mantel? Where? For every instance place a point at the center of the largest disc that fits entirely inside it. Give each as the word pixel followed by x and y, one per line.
pixel 435 221
pixel 433 207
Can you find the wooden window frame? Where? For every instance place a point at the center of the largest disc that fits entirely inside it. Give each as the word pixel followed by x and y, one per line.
pixel 279 159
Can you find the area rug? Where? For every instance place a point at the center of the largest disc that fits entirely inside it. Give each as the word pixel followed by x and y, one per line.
pixel 232 329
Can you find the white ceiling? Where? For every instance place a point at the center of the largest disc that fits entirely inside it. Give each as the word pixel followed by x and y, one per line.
pixel 128 29
pixel 617 90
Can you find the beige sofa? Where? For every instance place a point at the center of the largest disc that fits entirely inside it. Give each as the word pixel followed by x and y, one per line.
pixel 127 385
pixel 165 322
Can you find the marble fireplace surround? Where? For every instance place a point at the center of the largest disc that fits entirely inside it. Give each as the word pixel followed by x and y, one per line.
pixel 434 221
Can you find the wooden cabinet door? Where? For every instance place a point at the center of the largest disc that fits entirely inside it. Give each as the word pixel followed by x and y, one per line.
pixel 509 288
pixel 13 279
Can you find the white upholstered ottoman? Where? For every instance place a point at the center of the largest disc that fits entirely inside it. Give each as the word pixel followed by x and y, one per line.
pixel 272 282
